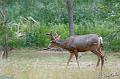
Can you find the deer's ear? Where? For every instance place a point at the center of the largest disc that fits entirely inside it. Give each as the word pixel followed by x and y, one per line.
pixel 50 33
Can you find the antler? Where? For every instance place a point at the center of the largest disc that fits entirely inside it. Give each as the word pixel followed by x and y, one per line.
pixel 50 34
pixel 57 35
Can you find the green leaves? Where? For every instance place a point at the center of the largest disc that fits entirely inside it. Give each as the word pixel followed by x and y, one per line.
pixel 35 18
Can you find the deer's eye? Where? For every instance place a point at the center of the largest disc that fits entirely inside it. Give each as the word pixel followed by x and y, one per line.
pixel 52 42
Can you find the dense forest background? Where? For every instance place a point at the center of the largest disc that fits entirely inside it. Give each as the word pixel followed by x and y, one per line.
pixel 30 20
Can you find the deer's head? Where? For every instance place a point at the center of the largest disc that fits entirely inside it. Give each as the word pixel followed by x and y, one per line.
pixel 54 39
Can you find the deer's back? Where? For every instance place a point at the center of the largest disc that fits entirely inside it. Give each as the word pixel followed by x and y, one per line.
pixel 83 42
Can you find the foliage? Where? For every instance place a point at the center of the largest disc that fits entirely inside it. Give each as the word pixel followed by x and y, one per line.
pixel 36 18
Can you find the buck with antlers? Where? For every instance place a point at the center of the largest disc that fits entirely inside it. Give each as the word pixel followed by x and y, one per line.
pixel 75 44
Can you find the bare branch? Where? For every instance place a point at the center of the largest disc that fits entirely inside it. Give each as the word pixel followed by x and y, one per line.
pixel 1 13
pixel 4 16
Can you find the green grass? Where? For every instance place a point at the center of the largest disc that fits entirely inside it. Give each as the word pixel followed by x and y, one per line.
pixel 35 64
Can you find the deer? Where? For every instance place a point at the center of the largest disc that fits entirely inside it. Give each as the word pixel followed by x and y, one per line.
pixel 79 43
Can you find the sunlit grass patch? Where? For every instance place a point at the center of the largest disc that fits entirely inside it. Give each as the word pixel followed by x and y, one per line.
pixel 34 64
pixel 26 70
pixel 18 71
pixel 30 72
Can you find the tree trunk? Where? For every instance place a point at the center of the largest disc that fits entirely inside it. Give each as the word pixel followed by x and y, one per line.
pixel 69 4
pixel 5 54
pixel 3 14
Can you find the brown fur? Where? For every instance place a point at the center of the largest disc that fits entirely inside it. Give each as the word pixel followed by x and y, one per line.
pixel 75 44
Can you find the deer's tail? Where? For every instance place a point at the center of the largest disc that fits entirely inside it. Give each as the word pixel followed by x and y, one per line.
pixel 101 41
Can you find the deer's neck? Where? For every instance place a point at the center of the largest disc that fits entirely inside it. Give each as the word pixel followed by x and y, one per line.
pixel 60 43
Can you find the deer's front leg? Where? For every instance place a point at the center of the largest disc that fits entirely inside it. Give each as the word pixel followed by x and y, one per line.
pixel 76 55
pixel 71 55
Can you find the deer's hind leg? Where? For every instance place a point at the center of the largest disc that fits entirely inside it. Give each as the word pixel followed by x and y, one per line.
pixel 98 55
pixel 102 57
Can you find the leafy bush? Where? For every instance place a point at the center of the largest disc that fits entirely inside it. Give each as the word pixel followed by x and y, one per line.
pixel 36 18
